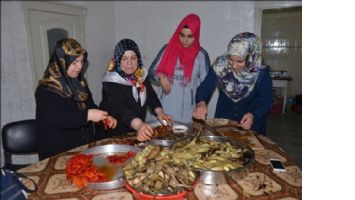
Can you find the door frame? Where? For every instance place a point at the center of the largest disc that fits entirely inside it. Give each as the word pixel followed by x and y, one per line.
pixel 259 6
pixel 53 7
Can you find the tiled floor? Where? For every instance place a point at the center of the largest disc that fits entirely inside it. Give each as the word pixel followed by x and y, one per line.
pixel 286 131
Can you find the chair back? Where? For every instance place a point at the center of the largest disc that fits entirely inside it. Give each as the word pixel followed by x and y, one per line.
pixel 19 138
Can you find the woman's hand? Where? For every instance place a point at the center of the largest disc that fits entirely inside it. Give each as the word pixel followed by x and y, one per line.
pixel 96 115
pixel 167 118
pixel 112 122
pixel 165 83
pixel 145 132
pixel 200 111
pixel 162 116
pixel 247 121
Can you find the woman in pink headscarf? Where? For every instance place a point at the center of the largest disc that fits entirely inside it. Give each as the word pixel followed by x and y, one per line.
pixel 179 68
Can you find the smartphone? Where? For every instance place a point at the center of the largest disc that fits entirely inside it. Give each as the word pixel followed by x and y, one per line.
pixel 277 165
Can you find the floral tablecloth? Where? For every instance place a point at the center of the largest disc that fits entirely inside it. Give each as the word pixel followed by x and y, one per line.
pixel 259 181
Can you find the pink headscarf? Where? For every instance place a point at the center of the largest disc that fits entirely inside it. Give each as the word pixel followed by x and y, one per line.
pixel 175 50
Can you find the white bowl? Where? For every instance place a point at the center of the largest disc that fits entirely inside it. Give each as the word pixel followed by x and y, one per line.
pixel 180 128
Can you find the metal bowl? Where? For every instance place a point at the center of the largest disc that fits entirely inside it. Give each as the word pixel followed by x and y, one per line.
pixel 99 153
pixel 180 130
pixel 211 177
pixel 249 154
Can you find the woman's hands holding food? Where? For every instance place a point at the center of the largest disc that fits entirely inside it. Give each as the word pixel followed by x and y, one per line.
pixel 96 115
pixel 111 122
pixel 200 111
pixel 144 130
pixel 247 121
pixel 163 117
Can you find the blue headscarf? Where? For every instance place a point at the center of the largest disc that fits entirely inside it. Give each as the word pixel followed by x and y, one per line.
pixel 238 85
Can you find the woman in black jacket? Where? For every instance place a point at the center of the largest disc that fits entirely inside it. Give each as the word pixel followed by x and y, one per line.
pixel 65 110
pixel 127 92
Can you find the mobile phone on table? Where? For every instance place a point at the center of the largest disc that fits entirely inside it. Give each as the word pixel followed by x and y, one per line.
pixel 277 165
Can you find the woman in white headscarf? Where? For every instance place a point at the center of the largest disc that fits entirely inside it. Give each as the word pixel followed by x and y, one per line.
pixel 127 92
pixel 245 86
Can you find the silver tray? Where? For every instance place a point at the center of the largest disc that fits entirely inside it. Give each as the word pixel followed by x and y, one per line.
pixel 248 155
pixel 100 153
pixel 179 133
pixel 211 177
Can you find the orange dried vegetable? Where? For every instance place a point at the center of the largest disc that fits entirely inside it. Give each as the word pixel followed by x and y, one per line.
pixel 119 159
pixel 80 171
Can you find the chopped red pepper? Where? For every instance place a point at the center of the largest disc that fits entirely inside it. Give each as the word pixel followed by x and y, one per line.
pixel 119 159
pixel 106 124
pixel 80 171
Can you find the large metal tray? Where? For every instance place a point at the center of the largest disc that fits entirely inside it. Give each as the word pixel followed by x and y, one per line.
pixel 100 153
pixel 248 155
pixel 211 177
pixel 179 134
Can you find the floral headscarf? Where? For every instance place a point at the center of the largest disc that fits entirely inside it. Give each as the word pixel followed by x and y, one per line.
pixel 115 74
pixel 238 85
pixel 175 50
pixel 55 77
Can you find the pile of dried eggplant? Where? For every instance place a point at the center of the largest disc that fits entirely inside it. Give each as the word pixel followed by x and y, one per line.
pixel 154 171
pixel 209 155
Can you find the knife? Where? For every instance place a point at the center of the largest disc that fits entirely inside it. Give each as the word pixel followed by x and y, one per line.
pixel 206 126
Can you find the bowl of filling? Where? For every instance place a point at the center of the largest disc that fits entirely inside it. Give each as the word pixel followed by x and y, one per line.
pixel 166 135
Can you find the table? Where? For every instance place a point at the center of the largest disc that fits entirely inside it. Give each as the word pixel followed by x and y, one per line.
pixel 257 182
pixel 280 83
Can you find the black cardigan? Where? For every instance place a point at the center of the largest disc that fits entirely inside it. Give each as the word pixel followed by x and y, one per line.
pixel 62 125
pixel 118 101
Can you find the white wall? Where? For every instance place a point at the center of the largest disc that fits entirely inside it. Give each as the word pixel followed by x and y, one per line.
pixel 100 41
pixel 17 96
pixel 150 24
pixel 17 93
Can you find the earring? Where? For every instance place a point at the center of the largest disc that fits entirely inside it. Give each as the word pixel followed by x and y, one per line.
pixel 111 65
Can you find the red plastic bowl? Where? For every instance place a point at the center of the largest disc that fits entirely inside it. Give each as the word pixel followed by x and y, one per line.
pixel 142 196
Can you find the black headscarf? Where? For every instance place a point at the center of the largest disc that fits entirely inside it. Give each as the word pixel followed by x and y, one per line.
pixel 121 47
pixel 55 77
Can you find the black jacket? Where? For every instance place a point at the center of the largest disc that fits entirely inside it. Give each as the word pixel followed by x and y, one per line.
pixel 118 101
pixel 61 123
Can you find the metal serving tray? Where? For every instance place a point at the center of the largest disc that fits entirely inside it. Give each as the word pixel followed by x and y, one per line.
pixel 211 177
pixel 178 130
pixel 100 153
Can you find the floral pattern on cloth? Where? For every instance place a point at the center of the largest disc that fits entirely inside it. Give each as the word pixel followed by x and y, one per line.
pixel 238 85
pixel 258 183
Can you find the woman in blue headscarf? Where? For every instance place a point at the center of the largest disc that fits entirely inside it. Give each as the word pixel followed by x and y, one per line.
pixel 245 86
pixel 127 92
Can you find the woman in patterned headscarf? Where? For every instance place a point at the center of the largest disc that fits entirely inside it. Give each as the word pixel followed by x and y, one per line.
pixel 65 108
pixel 127 92
pixel 245 86
pixel 179 68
